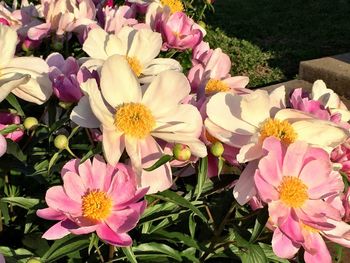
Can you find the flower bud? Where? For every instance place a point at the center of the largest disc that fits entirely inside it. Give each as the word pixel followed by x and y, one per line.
pixel 181 152
pixel 217 149
pixel 202 24
pixel 30 123
pixel 61 142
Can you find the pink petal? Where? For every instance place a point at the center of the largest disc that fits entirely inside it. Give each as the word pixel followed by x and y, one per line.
pixel 312 209
pixel 57 231
pixel 245 189
pixel 50 214
pixel 278 211
pixel 78 230
pixel 266 191
pixel 57 199
pixel 294 158
pixel 99 167
pixel 73 186
pixel 282 246
pixel 86 175
pixel 71 166
pixel 319 252
pixel 116 239
pixel 291 227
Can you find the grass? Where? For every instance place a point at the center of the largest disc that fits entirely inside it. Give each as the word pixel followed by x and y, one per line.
pixel 267 39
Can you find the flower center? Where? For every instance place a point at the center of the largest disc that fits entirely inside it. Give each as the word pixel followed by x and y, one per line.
pixel 96 205
pixel 215 85
pixel 293 192
pixel 134 119
pixel 135 65
pixel 281 130
pixel 174 5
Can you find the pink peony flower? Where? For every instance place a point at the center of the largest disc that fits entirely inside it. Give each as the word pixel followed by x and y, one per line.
pixel 180 32
pixel 212 74
pixel 341 155
pixel 94 197
pixel 285 180
pixel 346 204
pixel 7 118
pixel 115 18
pixel 63 75
pixel 3 145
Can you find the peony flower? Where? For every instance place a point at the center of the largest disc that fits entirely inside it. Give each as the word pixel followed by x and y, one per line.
pixel 63 16
pixel 130 118
pixel 140 47
pixel 7 118
pixel 341 155
pixel 312 242
pixel 94 197
pixel 172 5
pixel 3 145
pixel 180 32
pixel 115 18
pixel 213 74
pixel 285 180
pixel 63 75
pixel 233 121
pixel 26 77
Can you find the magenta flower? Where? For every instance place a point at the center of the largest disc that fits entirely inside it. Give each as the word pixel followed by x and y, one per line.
pixel 3 145
pixel 180 32
pixel 94 197
pixel 341 155
pixel 7 118
pixel 63 75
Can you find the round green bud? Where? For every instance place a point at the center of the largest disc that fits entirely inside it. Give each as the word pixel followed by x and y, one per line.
pixel 34 260
pixel 181 152
pixel 61 142
pixel 217 149
pixel 65 105
pixel 30 123
pixel 202 24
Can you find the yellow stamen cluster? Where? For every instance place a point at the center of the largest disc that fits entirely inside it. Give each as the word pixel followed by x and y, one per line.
pixel 134 119
pixel 214 86
pixel 96 205
pixel 281 130
pixel 174 5
pixel 293 192
pixel 135 65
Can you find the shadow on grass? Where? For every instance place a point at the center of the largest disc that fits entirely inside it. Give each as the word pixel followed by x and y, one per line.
pixel 292 30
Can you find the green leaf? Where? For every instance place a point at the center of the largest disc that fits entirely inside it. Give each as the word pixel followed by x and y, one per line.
pixel 53 160
pixel 156 247
pixel 129 254
pixel 173 197
pixel 65 246
pixel 10 128
pixel 259 225
pixel 187 240
pixel 253 254
pixel 15 255
pixel 5 212
pixel 202 176
pixel 15 150
pixel 270 255
pixel 12 100
pixel 190 254
pixel 92 152
pixel 93 242
pixel 163 160
pixel 192 225
pixel 26 203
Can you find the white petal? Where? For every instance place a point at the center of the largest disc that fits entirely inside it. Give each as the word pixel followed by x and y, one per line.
pixel 326 96
pixel 223 109
pixel 113 145
pixel 83 116
pixel 145 46
pixel 118 82
pixel 11 84
pixel 158 65
pixel 321 133
pixel 255 107
pixel 95 44
pixel 165 92
pixel 8 42
pixel 99 107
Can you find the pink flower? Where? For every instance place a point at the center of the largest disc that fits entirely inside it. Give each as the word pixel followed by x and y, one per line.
pixel 63 75
pixel 285 180
pixel 94 197
pixel 341 155
pixel 211 73
pixel 346 204
pixel 116 18
pixel 180 32
pixel 3 145
pixel 7 118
